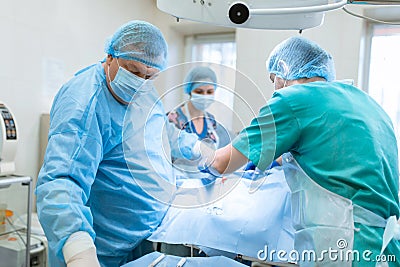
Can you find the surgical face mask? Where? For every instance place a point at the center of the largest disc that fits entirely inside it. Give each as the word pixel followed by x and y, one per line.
pixel 125 84
pixel 202 102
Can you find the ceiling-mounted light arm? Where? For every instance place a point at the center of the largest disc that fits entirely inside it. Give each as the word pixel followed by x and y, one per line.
pixel 297 10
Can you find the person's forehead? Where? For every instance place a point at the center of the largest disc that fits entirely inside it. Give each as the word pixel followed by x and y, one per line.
pixel 139 66
pixel 205 87
pixel 133 63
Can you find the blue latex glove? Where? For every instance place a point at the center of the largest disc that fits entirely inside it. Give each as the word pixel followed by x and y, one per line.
pixel 274 164
pixel 251 171
pixel 207 181
pixel 251 166
pixel 208 168
pixel 205 166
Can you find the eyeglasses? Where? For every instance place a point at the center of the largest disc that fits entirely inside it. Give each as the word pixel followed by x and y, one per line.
pixel 138 68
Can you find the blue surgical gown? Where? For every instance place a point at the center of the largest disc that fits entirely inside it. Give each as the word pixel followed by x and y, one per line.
pixel 84 183
pixel 342 139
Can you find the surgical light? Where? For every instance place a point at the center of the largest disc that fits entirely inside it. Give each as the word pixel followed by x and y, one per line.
pixel 260 14
pixel 257 14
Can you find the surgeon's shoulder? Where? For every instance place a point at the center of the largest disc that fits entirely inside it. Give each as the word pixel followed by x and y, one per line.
pixel 303 93
pixel 294 91
pixel 84 86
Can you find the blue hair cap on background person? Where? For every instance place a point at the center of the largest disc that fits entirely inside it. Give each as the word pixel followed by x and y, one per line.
pixel 139 41
pixel 298 57
pixel 199 76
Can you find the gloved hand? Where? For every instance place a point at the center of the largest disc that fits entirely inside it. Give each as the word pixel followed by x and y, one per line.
pixel 205 166
pixel 86 258
pixel 273 164
pixel 250 166
pixel 251 171
pixel 79 251
pixel 206 152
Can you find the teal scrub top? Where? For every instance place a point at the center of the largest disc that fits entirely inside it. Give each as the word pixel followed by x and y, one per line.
pixel 340 137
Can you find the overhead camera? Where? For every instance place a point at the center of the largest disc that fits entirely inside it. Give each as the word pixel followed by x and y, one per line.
pixel 239 13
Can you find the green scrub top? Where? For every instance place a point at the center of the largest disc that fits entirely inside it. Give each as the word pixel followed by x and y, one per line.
pixel 339 136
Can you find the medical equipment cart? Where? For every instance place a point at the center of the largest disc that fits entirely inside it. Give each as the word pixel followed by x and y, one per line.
pixel 13 236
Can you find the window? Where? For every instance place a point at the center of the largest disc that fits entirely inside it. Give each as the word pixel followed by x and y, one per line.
pixel 381 76
pixel 219 49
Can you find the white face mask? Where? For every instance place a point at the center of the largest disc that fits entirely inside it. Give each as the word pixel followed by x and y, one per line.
pixel 125 84
pixel 201 102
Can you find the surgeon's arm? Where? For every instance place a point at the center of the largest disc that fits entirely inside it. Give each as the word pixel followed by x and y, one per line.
pixel 228 159
pixel 66 177
pixel 79 251
pixel 279 160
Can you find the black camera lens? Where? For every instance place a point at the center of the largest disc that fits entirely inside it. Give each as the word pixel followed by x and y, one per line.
pixel 239 13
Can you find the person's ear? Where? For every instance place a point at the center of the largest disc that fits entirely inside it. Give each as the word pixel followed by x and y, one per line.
pixel 109 59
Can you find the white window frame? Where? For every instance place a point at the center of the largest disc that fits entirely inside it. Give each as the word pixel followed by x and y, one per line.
pixel 192 40
pixel 221 95
pixel 364 68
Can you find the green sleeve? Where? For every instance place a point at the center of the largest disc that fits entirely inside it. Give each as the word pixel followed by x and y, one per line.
pixel 274 132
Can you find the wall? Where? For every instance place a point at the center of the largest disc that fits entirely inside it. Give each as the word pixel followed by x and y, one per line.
pixel 45 42
pixel 340 34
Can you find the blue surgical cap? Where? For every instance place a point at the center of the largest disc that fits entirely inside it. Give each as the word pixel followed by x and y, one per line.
pixel 199 76
pixel 139 41
pixel 297 58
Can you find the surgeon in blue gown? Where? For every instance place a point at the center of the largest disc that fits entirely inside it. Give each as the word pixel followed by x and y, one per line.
pixel 92 211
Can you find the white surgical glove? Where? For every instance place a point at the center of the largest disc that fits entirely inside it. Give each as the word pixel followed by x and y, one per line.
pixel 79 251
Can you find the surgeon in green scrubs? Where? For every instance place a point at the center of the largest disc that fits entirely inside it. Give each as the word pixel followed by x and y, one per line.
pixel 339 155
